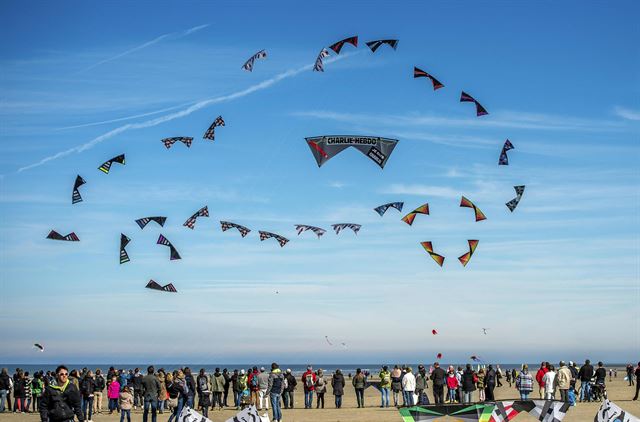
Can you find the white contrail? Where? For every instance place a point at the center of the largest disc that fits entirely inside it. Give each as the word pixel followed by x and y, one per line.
pixel 195 107
pixel 174 35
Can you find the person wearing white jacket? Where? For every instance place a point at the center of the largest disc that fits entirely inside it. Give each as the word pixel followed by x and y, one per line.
pixel 408 387
pixel 549 380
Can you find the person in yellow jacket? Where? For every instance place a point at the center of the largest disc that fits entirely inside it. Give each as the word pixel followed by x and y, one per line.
pixel 563 381
pixel 385 385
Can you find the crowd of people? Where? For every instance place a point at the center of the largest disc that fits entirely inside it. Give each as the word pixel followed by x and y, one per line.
pixel 63 394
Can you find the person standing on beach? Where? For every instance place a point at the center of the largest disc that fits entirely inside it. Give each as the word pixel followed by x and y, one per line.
pixel 291 382
pixel 37 387
pixel 359 382
pixel 113 393
pixel 227 384
pixel 498 375
pixel 550 384
pixel 337 384
pixel 254 386
pixel 321 388
pixel 385 385
pixel 150 389
pixel 275 388
pixel 490 383
pixel 438 377
pixel 421 385
pixel 190 386
pixel 480 385
pixel 125 403
pixel 60 402
pixel 309 382
pixel 585 374
pixel 204 392
pixel 637 374
pixel 630 374
pixel 563 381
pixel 19 392
pixel 87 388
pixel 217 388
pixel 136 380
pixel 5 386
pixel 469 379
pixel 263 383
pixel 524 382
pixel 452 385
pixel 539 375
pixel 396 383
pixel 100 384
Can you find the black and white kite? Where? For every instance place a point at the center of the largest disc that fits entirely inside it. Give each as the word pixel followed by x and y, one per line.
pixel 466 98
pixel 226 225
pixel 419 73
pixel 249 63
pixel 374 45
pixel 211 132
pixel 191 221
pixel 515 201
pixel 266 235
pixel 174 253
pixel 338 46
pixel 504 159
pixel 39 346
pixel 319 66
pixel 142 222
pixel 383 208
pixel 106 166
pixel 377 149
pixel 124 241
pixel 75 197
pixel 339 227
pixel 168 142
pixel 317 230
pixel 166 288
pixel 71 237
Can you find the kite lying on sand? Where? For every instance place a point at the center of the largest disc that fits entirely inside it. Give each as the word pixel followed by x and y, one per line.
pixel 419 73
pixel 464 202
pixel 168 142
pixel 319 66
pixel 383 208
pixel 377 149
pixel 515 201
pixel 317 230
pixel 422 209
pixel 124 241
pixel 106 166
pixel 266 235
pixel 429 248
pixel 166 288
pixel 374 45
pixel 464 259
pixel 504 159
pixel 338 46
pixel 339 227
pixel 226 225
pixel 71 237
pixel 174 253
pixel 191 221
pixel 249 63
pixel 480 111
pixel 75 196
pixel 142 222
pixel 211 132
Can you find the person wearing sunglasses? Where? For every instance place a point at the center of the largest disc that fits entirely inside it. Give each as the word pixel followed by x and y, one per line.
pixel 61 401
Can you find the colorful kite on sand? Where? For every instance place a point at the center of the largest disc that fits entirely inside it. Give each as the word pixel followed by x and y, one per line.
pixel 464 259
pixel 464 202
pixel 377 149
pixel 429 248
pixel 422 209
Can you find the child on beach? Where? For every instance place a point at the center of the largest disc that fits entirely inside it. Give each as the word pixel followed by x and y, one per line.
pixel 452 384
pixel 125 400
pixel 113 393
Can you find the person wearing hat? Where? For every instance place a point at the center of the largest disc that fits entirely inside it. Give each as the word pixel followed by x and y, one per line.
pixel 524 382
pixel 563 380
pixel 421 385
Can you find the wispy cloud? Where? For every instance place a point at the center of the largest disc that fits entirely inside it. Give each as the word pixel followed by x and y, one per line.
pixel 626 113
pixel 421 190
pixel 171 35
pixel 189 110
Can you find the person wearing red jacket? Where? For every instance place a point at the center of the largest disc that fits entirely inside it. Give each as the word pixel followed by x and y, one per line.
pixel 544 368
pixel 309 381
pixel 254 385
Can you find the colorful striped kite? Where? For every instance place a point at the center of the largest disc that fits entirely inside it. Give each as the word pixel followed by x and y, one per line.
pixel 515 201
pixel 319 66
pixel 106 166
pixel 466 98
pixel 419 73
pixel 422 209
pixel 339 227
pixel 429 248
pixel 464 202
pixel 191 221
pixel 464 259
pixel 317 230
pixel 166 288
pixel 174 253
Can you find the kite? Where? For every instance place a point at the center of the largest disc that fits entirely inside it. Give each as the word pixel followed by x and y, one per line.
pixel 374 45
pixel 429 248
pixel 377 149
pixel 515 201
pixel 39 347
pixel 327 338
pixel 466 98
pixel 542 410
pixel 317 230
pixel 419 73
pixel 266 235
pixel 166 288
pixel 227 225
pixel 338 46
pixel 439 356
pixel 124 241
pixel 476 358
pixel 142 222
pixel 344 345
pixel 504 159
pixel 191 221
pixel 319 66
pixel 248 414
pixel 168 142
pixel 187 414
pixel 422 209
pixel 383 208
pixel 339 227
pixel 249 63
pixel 464 259
pixel 174 253
pixel 464 202
pixel 484 330
pixel 75 197
pixel 107 164
pixel 611 412
pixel 211 132
pixel 434 332
pixel 71 237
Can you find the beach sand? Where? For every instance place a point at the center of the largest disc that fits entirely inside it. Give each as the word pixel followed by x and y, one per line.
pixel 617 390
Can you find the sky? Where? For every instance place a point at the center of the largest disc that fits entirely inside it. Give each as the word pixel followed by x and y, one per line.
pixel 556 279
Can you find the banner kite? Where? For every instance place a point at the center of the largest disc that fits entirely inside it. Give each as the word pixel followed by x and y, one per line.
pixel 71 237
pixel 248 414
pixel 422 209
pixel 501 411
pixel 515 201
pixel 249 63
pixel 168 142
pixel 464 259
pixel 383 208
pixel 338 46
pixel 166 288
pixel 211 132
pixel 174 253
pixel 429 248
pixel 142 222
pixel 319 66
pixel 466 98
pixel 191 221
pixel 189 415
pixel 124 241
pixel 611 412
pixel 339 227
pixel 317 230
pixel 464 202
pixel 266 235
pixel 106 166
pixel 226 225
pixel 374 45
pixel 377 149
pixel 75 196
pixel 504 158
pixel 419 73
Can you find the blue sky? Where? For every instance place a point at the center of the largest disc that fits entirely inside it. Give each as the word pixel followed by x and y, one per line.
pixel 81 83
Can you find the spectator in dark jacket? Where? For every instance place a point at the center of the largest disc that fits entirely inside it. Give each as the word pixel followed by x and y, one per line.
pixel 275 387
pixel 287 397
pixel 150 389
pixel 87 387
pixel 5 385
pixel 438 378
pixel 490 383
pixel 62 401
pixel 585 374
pixel 227 384
pixel 191 387
pixel 337 383
pixel 637 374
pixel 19 392
pixel 421 385
pixel 468 384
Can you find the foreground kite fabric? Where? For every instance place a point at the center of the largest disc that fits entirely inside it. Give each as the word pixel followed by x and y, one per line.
pixel 174 253
pixel 515 201
pixel 383 208
pixel 464 259
pixel 249 63
pixel 317 230
pixel 480 111
pixel 611 412
pixel 422 209
pixel 75 197
pixel 142 222
pixel 377 149
pixel 374 45
pixel 338 46
pixel 339 227
pixel 464 202
pixel 319 66
pixel 166 288
pixel 504 158
pixel 191 221
pixel 226 225
pixel 211 132
pixel 542 410
pixel 419 73
pixel 71 237
pixel 266 235
pixel 106 166
pixel 429 248
pixel 168 142
pixel 124 241
pixel 248 414
pixel 189 415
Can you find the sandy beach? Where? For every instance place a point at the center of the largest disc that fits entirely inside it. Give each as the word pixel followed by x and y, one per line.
pixel 618 391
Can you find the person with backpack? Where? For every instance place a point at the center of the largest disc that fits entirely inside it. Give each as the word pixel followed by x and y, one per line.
pixel 359 382
pixel 99 385
pixel 37 387
pixel 321 388
pixel 177 389
pixel 204 393
pixel 337 384
pixel 87 387
pixel 240 386
pixel 275 388
pixel 60 402
pixel 288 392
pixel 254 387
pixel 309 382
pixel 385 385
